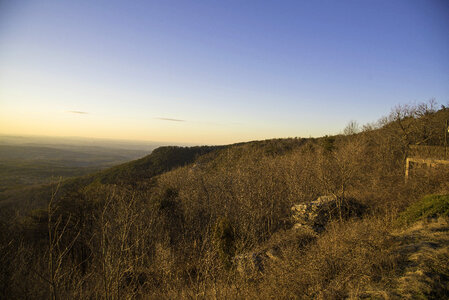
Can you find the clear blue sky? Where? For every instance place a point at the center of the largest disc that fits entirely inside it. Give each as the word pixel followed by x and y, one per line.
pixel 215 71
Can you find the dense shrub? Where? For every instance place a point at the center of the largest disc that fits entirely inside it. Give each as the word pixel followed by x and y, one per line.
pixel 342 263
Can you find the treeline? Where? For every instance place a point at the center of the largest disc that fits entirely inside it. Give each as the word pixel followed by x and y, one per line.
pixel 174 224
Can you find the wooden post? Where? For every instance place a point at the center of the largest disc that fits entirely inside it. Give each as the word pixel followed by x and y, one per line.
pixel 407 168
pixel 446 128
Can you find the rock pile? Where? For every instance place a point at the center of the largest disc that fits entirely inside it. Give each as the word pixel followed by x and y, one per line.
pixel 309 220
pixel 254 262
pixel 315 214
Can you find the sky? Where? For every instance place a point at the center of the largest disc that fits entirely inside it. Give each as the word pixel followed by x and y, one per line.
pixel 215 72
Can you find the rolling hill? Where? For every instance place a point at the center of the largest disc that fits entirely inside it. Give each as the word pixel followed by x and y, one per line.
pixel 216 221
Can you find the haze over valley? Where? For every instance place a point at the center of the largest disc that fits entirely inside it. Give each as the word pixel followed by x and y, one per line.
pixel 224 149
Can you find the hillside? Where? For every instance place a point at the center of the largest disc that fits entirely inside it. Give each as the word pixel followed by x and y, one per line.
pixel 132 173
pixel 216 222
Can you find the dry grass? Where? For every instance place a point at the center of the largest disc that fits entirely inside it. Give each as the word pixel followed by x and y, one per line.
pixel 346 260
pixel 424 249
pixel 360 259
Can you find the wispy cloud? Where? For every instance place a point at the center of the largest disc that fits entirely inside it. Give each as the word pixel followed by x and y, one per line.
pixel 170 119
pixel 77 112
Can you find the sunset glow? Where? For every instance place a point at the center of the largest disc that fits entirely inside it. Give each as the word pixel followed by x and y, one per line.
pixel 215 73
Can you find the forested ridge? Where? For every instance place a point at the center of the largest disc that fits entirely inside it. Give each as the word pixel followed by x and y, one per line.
pixel 216 221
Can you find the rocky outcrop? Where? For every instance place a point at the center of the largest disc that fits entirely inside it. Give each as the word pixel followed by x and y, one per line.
pixel 309 220
pixel 254 262
pixel 315 214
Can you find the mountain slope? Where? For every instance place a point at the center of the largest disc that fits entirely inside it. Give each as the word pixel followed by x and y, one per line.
pixel 132 173
pixel 175 223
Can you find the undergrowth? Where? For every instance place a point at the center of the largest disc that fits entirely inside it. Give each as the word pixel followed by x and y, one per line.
pixel 430 206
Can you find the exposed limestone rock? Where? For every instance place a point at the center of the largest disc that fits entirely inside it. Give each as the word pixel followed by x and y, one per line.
pixel 314 214
pixel 309 220
pixel 254 262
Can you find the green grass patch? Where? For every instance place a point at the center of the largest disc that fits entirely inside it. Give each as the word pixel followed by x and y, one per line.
pixel 429 206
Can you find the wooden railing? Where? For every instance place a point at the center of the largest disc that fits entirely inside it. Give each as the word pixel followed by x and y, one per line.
pixel 428 155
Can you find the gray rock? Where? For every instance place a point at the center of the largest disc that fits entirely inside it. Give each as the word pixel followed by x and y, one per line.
pixel 309 220
pixel 314 214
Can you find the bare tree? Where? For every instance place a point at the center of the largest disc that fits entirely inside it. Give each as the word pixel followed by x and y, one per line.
pixel 122 249
pixel 57 251
pixel 352 128
pixel 339 170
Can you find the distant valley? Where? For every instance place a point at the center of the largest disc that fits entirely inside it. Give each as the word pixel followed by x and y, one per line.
pixel 34 161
